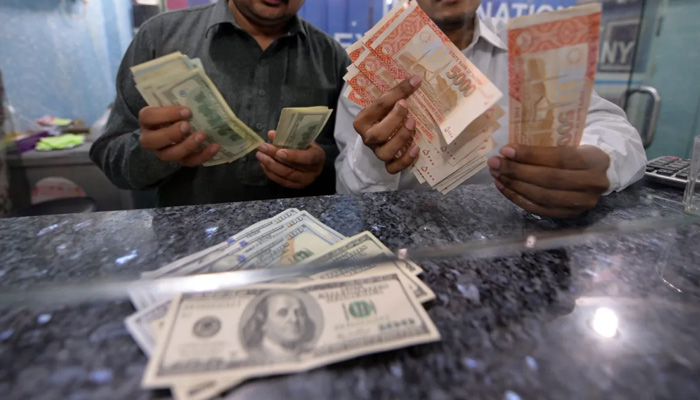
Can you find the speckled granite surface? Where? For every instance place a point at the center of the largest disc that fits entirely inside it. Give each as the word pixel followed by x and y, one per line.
pixel 516 327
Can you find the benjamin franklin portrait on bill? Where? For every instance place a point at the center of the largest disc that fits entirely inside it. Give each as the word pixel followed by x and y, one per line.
pixel 280 326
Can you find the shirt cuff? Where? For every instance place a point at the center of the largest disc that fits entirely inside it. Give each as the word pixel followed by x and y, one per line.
pixel 613 177
pixel 369 170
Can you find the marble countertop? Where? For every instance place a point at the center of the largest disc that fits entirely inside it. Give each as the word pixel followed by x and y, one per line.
pixel 513 327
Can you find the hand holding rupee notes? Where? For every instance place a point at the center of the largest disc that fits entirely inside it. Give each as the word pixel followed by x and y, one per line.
pixel 203 344
pixel 452 113
pixel 553 60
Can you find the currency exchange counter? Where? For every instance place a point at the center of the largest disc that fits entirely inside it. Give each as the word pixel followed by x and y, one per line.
pixel 606 305
pixel 73 164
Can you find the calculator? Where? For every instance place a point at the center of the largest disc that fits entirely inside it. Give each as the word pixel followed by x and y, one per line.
pixel 668 170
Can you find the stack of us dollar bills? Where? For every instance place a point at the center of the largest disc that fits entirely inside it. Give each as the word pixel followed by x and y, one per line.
pixel 202 344
pixel 177 80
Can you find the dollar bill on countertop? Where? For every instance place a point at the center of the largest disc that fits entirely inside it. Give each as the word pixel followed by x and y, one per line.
pixel 298 127
pixel 177 80
pixel 363 246
pixel 287 238
pixel 229 336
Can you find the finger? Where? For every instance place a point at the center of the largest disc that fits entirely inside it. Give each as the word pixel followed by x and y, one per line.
pixel 271 135
pixel 197 159
pixel 384 129
pixel 281 180
pixel 269 149
pixel 565 157
pixel 401 139
pixel 181 150
pixel 161 138
pixel 154 117
pixel 403 162
pixel 531 207
pixel 280 169
pixel 548 177
pixel 311 157
pixel 385 103
pixel 577 201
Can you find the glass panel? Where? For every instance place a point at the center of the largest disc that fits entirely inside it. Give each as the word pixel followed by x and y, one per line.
pixel 665 64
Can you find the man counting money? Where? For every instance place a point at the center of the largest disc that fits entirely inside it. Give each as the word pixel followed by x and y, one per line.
pixel 549 181
pixel 262 57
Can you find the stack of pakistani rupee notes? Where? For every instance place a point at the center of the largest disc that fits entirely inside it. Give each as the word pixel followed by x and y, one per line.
pixel 201 344
pixel 455 108
pixel 552 61
pixel 177 80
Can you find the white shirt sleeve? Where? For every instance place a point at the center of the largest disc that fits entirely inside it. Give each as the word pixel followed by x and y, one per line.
pixel 608 129
pixel 357 168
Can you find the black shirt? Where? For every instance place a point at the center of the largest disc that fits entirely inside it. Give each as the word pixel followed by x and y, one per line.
pixel 302 68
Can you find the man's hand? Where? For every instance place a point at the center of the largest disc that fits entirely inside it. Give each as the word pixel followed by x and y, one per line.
pixel 163 130
pixel 385 129
pixel 551 181
pixel 291 168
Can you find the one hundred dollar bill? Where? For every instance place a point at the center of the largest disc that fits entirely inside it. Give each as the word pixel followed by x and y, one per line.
pixel 270 329
pixel 211 115
pixel 140 325
pixel 177 80
pixel 364 246
pixel 299 127
pixel 290 238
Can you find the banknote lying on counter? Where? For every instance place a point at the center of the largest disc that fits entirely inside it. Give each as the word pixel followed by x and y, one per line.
pixel 454 108
pixel 553 58
pixel 334 315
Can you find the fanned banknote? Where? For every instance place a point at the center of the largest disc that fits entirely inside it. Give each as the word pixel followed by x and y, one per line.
pixel 454 108
pixel 176 80
pixel 389 304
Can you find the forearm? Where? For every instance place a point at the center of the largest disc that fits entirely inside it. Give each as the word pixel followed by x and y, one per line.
pixel 608 129
pixel 359 170
pixel 127 164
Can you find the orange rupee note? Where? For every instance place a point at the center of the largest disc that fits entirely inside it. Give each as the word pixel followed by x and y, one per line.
pixel 552 61
pixel 454 92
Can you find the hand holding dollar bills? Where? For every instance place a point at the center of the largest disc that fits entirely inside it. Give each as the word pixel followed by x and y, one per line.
pixel 203 344
pixel 177 80
pixel 299 127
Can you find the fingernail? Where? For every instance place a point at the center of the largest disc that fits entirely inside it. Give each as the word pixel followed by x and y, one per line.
pixel 184 127
pixel 494 173
pixel 263 147
pixel 185 112
pixel 402 103
pixel 259 156
pixel 494 163
pixel 499 185
pixel 508 152
pixel 198 138
pixel 415 81
pixel 414 151
pixel 410 124
pixel 213 149
pixel 282 154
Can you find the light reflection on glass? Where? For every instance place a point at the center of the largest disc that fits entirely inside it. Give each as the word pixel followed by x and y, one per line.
pixel 605 322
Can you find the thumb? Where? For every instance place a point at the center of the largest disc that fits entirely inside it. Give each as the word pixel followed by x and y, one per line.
pixel 271 135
